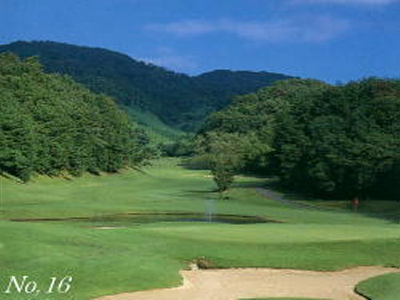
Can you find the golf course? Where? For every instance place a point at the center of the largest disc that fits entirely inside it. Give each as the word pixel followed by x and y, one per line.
pixel 101 232
pixel 124 180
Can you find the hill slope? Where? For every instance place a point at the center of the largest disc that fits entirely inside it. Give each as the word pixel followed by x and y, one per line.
pixel 176 99
pixel 221 85
pixel 49 124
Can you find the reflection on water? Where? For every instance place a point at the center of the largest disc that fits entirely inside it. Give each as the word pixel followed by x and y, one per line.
pixel 209 209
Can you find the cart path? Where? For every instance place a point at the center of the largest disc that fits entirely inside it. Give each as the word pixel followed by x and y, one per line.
pixel 233 284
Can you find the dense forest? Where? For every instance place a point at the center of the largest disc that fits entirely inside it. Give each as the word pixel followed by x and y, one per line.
pixel 49 124
pixel 331 141
pixel 177 99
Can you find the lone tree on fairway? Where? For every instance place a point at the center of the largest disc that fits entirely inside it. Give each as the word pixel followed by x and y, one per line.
pixel 225 157
pixel 223 175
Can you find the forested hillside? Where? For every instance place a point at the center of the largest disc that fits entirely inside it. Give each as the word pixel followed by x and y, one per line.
pixel 330 141
pixel 177 99
pixel 221 85
pixel 50 124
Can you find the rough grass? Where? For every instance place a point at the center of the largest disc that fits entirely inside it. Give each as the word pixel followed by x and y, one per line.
pixel 150 255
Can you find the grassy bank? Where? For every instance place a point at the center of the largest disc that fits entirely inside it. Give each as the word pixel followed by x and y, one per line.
pixel 385 287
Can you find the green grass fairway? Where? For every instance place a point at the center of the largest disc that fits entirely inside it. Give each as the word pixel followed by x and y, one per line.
pixel 145 256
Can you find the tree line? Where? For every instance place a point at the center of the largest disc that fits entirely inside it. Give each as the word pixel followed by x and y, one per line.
pixel 50 124
pixel 330 141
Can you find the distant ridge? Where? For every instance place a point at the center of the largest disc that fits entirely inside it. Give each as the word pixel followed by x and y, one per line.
pixel 178 100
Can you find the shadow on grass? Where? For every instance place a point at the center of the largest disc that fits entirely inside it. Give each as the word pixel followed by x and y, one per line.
pixel 251 184
pixel 376 208
pixel 202 191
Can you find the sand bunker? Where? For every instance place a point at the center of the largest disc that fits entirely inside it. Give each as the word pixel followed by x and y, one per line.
pixel 233 284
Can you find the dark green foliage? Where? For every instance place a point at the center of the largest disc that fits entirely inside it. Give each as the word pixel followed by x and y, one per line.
pixel 50 124
pixel 341 141
pixel 177 99
pixel 223 175
pixel 16 138
pixel 183 146
pixel 224 154
pixel 221 85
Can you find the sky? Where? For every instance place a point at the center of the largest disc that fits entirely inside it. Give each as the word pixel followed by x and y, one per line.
pixel 331 40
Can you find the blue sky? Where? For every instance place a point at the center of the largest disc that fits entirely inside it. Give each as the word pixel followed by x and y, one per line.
pixel 331 40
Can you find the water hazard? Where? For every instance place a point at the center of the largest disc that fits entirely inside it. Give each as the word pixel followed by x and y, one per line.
pixel 153 217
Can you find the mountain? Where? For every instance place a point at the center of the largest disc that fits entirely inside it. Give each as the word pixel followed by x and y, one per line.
pixel 221 85
pixel 178 100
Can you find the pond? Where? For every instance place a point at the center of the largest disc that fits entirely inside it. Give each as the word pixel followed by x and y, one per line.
pixel 153 217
